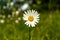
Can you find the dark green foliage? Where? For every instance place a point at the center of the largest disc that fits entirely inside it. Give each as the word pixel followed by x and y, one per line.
pixel 48 27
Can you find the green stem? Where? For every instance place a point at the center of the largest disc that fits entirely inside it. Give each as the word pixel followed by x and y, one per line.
pixel 29 34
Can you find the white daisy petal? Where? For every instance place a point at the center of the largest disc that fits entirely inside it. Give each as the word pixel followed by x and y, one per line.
pixel 25 17
pixel 32 24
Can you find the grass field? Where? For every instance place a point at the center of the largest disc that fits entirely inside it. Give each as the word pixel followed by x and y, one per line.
pixel 48 28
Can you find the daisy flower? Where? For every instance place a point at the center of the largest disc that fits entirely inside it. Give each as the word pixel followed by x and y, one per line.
pixel 16 21
pixel 15 13
pixel 2 21
pixel 31 17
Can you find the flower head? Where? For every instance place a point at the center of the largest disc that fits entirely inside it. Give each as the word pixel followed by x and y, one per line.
pixel 31 17
pixel 2 21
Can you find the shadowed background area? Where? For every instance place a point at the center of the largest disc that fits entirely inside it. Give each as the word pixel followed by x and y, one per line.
pixel 12 26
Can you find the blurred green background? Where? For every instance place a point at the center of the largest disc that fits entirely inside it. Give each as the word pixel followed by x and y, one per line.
pixel 13 27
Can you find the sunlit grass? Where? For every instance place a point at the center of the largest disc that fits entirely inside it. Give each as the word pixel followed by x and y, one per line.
pixel 48 28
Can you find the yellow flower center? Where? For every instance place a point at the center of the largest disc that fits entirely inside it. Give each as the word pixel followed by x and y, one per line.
pixel 31 18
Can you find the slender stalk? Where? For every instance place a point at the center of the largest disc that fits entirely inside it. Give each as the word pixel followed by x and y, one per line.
pixel 29 34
